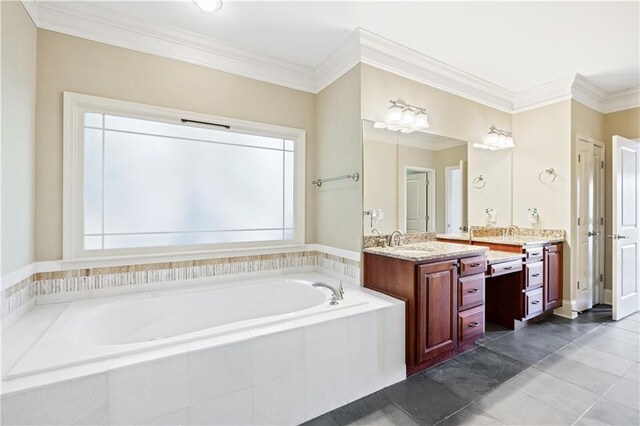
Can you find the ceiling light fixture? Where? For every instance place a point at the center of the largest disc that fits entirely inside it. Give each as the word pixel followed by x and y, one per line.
pixel 403 117
pixel 496 139
pixel 209 5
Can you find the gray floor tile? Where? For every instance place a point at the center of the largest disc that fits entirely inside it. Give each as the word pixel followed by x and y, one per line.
pixel 633 373
pixel 612 345
pixel 470 416
pixel 579 374
pixel 564 332
pixel 492 332
pixel 517 349
pixel 323 420
pixel 462 379
pixel 553 391
pixel 491 364
pixel 625 324
pixel 375 409
pixel 610 413
pixel 594 358
pixel 616 333
pixel 540 339
pixel 512 407
pixel 424 399
pixel 625 392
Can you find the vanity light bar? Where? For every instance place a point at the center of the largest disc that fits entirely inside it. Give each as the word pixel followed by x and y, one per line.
pixel 404 118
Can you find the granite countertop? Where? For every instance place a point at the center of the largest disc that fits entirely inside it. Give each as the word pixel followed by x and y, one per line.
pixel 497 256
pixel 518 240
pixel 431 250
pixel 462 236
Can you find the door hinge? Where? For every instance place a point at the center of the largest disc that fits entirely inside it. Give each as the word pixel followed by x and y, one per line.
pixel 579 158
pixel 602 221
pixel 602 164
pixel 578 221
pixel 601 278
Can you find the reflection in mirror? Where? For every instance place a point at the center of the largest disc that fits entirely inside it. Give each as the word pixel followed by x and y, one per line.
pixel 413 182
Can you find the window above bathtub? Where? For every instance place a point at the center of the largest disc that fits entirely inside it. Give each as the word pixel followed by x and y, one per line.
pixel 140 180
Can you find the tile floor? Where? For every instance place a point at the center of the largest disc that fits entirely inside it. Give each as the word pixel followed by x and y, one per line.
pixel 556 372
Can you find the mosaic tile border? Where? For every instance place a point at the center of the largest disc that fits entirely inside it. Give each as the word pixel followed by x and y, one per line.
pixel 79 280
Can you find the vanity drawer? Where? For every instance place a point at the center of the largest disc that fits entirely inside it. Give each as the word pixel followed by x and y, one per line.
pixel 533 303
pixel 534 275
pixel 473 265
pixel 470 291
pixel 505 268
pixel 470 323
pixel 534 254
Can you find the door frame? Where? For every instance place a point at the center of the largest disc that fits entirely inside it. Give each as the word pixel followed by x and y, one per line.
pixel 600 256
pixel 447 187
pixel 431 199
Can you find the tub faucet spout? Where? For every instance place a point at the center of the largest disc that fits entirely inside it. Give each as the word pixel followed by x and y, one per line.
pixel 337 291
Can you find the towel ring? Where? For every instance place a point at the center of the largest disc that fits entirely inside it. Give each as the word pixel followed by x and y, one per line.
pixel 479 182
pixel 549 171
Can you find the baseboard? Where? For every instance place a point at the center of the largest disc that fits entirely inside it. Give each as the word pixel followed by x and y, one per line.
pixel 608 296
pixel 567 310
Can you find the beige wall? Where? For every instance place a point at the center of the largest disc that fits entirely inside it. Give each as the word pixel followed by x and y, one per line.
pixel 19 40
pixel 380 184
pixel 542 139
pixel 445 158
pixel 626 124
pixel 339 152
pixel 67 63
pixel 454 117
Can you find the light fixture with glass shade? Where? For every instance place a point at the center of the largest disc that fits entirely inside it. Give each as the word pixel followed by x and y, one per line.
pixel 209 5
pixel 404 118
pixel 496 139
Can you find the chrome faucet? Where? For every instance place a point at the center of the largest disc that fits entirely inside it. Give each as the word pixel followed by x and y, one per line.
pixel 392 239
pixel 376 231
pixel 510 229
pixel 338 292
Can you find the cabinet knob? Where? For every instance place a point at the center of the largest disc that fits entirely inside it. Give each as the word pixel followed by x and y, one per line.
pixel 474 324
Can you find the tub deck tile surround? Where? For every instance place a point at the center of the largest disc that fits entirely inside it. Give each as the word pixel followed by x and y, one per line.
pixel 283 374
pixel 70 284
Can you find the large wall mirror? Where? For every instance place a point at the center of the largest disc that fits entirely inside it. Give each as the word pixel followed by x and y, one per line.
pixel 414 182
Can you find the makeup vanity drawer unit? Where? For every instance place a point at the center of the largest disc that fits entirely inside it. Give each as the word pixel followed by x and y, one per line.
pixel 444 303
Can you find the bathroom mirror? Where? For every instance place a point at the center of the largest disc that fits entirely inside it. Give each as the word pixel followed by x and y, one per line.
pixel 413 182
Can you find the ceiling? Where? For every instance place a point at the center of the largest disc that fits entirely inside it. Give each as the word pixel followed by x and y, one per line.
pixel 514 45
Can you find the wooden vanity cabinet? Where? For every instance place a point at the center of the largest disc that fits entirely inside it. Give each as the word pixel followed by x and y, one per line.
pixel 444 303
pixel 552 276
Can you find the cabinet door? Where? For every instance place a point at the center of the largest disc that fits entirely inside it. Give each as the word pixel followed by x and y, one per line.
pixel 552 277
pixel 436 309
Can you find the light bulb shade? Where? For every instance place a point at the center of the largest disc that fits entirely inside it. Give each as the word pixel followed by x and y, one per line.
pixel 491 139
pixel 408 118
pixel 209 5
pixel 509 142
pixel 421 121
pixel 394 115
pixel 379 125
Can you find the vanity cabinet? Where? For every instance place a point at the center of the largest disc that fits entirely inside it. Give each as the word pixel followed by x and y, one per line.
pixel 552 276
pixel 444 303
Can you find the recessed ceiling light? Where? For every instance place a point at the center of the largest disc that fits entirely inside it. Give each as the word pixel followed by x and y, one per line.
pixel 209 5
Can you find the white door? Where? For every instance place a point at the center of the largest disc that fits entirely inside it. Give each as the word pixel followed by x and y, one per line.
pixel 584 255
pixel 416 204
pixel 625 223
pixel 597 233
pixel 453 194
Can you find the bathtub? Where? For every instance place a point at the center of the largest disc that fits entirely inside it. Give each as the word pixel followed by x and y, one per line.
pixel 287 326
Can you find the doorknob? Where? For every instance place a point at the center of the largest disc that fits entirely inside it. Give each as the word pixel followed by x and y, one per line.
pixel 593 234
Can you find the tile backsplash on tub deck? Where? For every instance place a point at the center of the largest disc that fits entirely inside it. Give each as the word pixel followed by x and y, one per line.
pixel 65 285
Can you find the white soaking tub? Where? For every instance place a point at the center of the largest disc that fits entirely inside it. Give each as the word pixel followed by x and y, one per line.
pixel 234 345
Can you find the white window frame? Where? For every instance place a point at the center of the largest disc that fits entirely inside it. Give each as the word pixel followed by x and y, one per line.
pixel 75 106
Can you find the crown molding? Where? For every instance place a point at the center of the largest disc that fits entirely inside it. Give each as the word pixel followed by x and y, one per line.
pixel 90 21
pixel 621 100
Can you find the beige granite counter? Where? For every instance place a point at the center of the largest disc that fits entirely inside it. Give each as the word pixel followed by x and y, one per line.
pixel 518 240
pixel 462 236
pixel 497 256
pixel 432 250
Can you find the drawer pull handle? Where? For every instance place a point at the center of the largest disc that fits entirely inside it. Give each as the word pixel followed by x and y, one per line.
pixel 474 265
pixel 473 290
pixel 474 324
pixel 535 275
pixel 507 268
pixel 535 302
pixel 534 254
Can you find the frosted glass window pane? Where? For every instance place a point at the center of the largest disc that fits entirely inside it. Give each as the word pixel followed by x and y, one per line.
pixel 190 132
pixel 288 189
pixel 289 234
pixel 92 181
pixel 288 145
pixel 92 120
pixel 93 243
pixel 155 184
pixel 159 240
